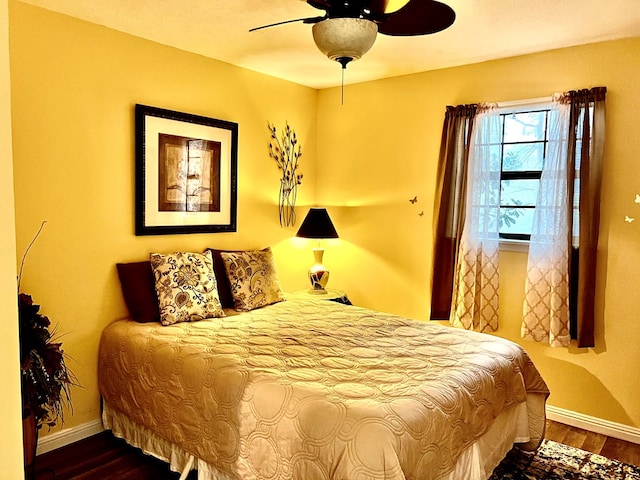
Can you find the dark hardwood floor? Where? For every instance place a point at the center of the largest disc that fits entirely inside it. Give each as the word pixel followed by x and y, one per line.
pixel 103 456
pixel 609 447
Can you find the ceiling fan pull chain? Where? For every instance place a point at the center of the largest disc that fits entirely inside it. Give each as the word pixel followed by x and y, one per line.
pixel 342 87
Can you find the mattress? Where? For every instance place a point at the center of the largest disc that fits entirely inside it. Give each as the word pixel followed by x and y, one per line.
pixel 310 389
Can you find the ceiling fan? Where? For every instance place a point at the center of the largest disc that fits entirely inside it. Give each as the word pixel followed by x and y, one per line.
pixel 348 28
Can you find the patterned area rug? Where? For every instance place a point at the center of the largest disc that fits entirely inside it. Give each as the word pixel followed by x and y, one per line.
pixel 555 461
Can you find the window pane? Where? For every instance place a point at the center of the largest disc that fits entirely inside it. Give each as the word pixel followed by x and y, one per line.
pixel 516 220
pixel 522 157
pixel 518 192
pixel 524 127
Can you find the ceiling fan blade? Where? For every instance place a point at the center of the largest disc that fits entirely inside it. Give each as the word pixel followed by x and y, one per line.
pixel 303 20
pixel 366 8
pixel 378 7
pixel 325 4
pixel 418 17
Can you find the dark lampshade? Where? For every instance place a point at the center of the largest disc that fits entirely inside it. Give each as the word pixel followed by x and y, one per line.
pixel 317 224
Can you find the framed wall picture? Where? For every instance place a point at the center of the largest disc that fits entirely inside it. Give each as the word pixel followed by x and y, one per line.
pixel 186 173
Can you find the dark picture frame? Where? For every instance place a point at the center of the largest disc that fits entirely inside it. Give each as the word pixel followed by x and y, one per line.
pixel 186 173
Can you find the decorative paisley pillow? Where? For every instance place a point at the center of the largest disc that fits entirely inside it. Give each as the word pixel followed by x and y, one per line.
pixel 253 278
pixel 186 287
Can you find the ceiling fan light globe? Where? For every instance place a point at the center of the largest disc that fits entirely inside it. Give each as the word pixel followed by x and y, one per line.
pixel 340 38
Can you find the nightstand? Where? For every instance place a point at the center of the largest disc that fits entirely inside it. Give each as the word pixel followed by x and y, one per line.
pixel 334 295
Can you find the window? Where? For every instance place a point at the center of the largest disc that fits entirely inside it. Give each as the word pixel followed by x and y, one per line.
pixel 522 150
pixel 520 155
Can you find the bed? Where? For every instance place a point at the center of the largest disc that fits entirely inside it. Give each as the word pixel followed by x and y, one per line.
pixel 309 389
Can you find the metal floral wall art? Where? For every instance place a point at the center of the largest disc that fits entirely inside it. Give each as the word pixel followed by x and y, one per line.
pixel 286 151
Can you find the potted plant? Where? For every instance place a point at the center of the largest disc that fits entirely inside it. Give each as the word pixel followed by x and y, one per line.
pixel 45 378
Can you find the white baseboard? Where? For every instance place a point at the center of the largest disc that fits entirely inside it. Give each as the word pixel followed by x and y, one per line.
pixel 575 419
pixel 593 424
pixel 68 435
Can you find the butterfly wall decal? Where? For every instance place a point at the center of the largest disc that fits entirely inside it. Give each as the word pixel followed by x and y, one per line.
pixel 413 200
pixel 627 218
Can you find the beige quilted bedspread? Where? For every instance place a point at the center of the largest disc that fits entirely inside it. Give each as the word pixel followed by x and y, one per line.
pixel 311 389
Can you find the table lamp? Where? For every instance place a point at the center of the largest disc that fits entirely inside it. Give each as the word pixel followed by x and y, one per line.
pixel 318 225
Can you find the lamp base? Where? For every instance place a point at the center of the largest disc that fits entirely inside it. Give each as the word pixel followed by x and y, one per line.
pixel 318 291
pixel 318 274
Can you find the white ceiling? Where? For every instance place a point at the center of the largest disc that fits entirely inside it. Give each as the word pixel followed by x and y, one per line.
pixel 483 30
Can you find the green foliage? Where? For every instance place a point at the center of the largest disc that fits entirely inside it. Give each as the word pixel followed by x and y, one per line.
pixel 508 216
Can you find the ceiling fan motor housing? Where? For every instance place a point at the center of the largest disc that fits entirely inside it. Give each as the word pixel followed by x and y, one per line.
pixel 344 38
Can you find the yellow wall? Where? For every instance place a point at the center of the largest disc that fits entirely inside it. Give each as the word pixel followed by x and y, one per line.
pixel 74 85
pixel 379 150
pixel 10 405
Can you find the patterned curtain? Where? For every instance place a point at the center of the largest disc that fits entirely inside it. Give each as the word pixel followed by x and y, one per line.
pixel 475 295
pixel 449 207
pixel 546 305
pixel 561 269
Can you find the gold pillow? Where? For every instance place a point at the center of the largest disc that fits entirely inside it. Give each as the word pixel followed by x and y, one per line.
pixel 253 278
pixel 186 287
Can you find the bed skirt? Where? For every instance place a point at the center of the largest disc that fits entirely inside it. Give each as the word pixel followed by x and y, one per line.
pixel 517 425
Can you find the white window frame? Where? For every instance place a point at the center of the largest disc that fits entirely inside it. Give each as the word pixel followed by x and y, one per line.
pixel 518 106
